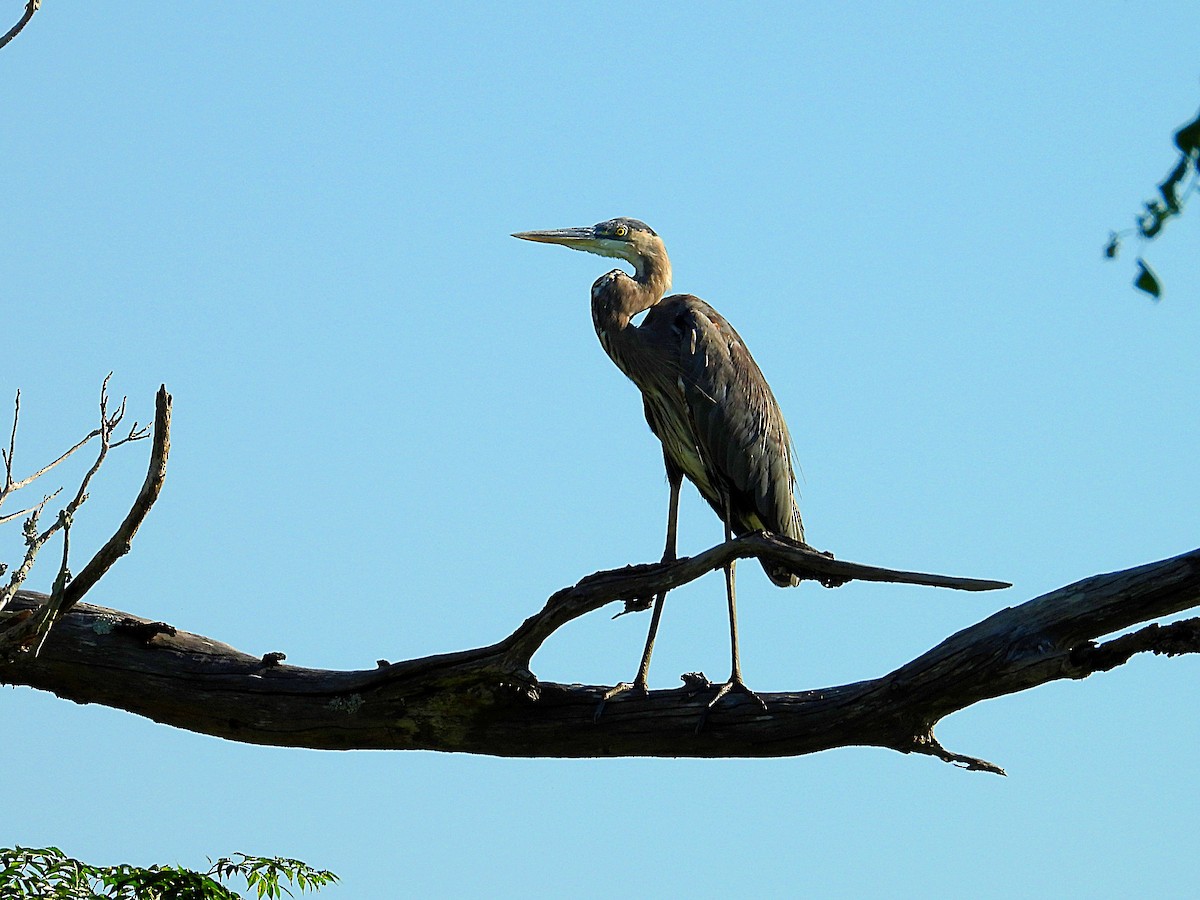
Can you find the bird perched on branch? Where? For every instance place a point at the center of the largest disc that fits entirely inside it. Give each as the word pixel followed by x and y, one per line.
pixel 705 399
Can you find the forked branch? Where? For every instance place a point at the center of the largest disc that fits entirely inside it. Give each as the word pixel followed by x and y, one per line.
pixel 24 630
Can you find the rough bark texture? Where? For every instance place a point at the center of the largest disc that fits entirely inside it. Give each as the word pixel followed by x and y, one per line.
pixel 486 701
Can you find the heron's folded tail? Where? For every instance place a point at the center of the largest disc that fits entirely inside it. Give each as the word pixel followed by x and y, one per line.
pixel 781 575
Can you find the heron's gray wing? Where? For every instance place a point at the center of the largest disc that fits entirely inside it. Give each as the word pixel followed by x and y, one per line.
pixel 739 429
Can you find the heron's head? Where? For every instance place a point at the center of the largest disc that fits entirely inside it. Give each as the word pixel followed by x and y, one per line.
pixel 623 238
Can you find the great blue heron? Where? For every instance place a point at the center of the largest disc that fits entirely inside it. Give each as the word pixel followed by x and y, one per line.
pixel 705 399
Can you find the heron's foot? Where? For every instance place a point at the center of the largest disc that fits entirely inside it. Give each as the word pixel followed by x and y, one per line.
pixel 637 688
pixel 829 581
pixel 694 683
pixel 732 686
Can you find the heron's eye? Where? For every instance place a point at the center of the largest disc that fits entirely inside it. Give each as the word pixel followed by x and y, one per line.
pixel 621 231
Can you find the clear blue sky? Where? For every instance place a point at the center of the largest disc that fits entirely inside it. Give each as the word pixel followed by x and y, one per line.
pixel 396 434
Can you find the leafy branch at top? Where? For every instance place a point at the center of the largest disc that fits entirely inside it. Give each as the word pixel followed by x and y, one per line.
pixel 1172 195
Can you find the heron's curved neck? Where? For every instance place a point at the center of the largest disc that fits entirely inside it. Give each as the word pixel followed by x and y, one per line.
pixel 617 298
pixel 654 274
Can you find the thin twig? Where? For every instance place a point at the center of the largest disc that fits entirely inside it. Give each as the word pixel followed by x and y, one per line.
pixel 81 495
pixel 11 485
pixel 136 433
pixel 51 612
pixel 30 8
pixel 1174 639
pixel 12 449
pixel 37 507
pixel 24 482
pixel 33 543
pixel 931 746
pixel 106 427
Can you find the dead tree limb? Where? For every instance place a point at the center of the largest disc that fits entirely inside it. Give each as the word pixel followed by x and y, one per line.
pixel 486 701
pixel 121 541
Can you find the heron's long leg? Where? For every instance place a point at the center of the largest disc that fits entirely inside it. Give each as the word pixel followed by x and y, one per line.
pixel 735 682
pixel 675 479
pixel 732 593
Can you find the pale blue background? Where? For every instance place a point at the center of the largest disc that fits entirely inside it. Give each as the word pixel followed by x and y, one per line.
pixel 395 432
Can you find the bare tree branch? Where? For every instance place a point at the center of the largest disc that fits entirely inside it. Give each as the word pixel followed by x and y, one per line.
pixel 12 449
pixel 11 485
pixel 486 701
pixel 31 6
pixel 34 540
pixel 121 541
pixel 36 508
pixel 1165 640
pixel 23 632
pixel 45 617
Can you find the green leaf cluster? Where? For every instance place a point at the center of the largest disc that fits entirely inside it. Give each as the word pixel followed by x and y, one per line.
pixel 1169 203
pixel 50 873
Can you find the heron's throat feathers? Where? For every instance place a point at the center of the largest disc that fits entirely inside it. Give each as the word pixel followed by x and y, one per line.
pixel 653 271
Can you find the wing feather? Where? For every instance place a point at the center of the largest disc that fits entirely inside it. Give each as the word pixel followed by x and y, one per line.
pixel 740 432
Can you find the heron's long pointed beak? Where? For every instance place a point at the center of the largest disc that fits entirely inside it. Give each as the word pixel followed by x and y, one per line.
pixel 575 238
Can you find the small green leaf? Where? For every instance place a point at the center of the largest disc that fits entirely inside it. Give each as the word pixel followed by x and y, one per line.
pixel 1187 138
pixel 1147 281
